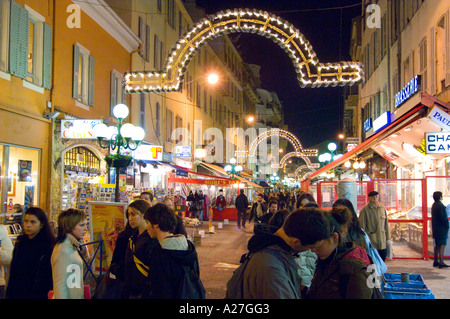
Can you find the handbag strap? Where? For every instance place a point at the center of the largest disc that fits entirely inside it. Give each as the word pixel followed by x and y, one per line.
pixel 143 268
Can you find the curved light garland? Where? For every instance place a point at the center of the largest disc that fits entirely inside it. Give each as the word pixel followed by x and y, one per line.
pixel 305 176
pixel 303 154
pixel 300 168
pixel 310 73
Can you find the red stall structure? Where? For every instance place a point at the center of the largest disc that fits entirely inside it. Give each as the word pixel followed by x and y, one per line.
pixel 209 186
pixel 408 203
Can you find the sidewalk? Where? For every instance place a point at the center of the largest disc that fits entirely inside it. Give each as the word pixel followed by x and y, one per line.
pixel 219 256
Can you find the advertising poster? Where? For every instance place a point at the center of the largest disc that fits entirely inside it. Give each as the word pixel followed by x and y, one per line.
pixel 107 220
pixel 29 197
pixel 24 171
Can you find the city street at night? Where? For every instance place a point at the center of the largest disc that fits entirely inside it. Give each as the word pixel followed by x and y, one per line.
pixel 138 136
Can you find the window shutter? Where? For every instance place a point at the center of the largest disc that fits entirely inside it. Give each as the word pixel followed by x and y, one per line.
pixel 433 61
pixel 113 91
pixel 18 40
pixel 47 60
pixel 447 48
pixel 91 96
pixel 147 43
pixel 76 75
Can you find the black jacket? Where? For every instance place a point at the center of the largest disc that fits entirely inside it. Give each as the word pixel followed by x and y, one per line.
pixel 253 215
pixel 118 259
pixel 166 271
pixel 143 246
pixel 439 220
pixel 31 270
pixel 241 203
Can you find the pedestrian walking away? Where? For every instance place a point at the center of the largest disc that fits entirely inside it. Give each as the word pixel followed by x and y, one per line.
pixel 241 207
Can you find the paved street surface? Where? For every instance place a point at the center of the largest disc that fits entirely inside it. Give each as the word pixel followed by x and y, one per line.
pixel 219 255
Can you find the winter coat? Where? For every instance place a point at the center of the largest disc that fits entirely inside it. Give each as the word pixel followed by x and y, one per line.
pixel 306 261
pixel 140 247
pixel 31 270
pixel 272 272
pixel 241 203
pixel 373 219
pixel 118 259
pixel 343 275
pixel 5 254
pixel 253 214
pixel 439 220
pixel 66 261
pixel 166 267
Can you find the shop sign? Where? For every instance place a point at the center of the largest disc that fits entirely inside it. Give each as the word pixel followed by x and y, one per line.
pixel 78 129
pixel 408 91
pixel 183 163
pixel 368 124
pixel 200 153
pixel 440 117
pixel 149 153
pixel 182 151
pixel 437 143
pixel 382 121
pixel 351 147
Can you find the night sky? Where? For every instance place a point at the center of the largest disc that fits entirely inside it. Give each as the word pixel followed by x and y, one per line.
pixel 313 115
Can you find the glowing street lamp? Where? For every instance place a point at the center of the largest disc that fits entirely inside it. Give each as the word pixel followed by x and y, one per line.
pixel 122 136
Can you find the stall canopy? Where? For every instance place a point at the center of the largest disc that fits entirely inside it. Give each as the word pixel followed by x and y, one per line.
pixel 218 170
pixel 264 184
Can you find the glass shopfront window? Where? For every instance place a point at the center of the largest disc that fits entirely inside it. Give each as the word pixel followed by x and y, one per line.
pixel 19 181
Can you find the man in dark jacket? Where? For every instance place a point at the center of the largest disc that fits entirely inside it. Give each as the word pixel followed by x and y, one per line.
pixel 439 226
pixel 272 272
pixel 241 206
pixel 259 208
pixel 172 257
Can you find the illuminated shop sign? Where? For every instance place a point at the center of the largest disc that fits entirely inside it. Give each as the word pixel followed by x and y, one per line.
pixel 382 121
pixel 368 124
pixel 149 153
pixel 440 117
pixel 78 129
pixel 437 143
pixel 182 151
pixel 408 91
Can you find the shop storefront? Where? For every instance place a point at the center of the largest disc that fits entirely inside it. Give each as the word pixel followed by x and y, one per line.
pixel 24 152
pixel 403 165
pixel 79 172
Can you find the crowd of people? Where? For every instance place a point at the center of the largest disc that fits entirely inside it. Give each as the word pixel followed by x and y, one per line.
pixel 297 251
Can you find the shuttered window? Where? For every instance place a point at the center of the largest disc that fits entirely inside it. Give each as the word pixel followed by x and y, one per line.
pixel 116 89
pixel 4 35
pixel 30 46
pixel 83 75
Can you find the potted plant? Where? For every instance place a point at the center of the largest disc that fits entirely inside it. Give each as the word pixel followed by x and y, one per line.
pixel 118 160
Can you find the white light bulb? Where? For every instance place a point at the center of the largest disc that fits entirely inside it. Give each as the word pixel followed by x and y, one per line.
pixel 100 130
pixel 127 130
pixel 120 111
pixel 138 134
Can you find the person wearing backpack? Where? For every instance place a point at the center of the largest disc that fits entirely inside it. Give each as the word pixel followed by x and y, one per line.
pixel 174 269
pixel 269 270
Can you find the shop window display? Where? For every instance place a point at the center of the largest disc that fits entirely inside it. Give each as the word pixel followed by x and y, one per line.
pixel 19 186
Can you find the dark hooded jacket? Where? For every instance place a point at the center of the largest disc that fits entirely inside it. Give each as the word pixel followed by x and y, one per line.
pixel 166 267
pixel 343 275
pixel 272 272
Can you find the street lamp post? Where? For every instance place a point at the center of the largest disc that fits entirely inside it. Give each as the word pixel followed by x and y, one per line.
pixel 233 169
pixel 122 136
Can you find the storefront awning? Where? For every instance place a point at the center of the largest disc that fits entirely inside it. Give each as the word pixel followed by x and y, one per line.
pixel 264 184
pixel 221 171
pixel 408 127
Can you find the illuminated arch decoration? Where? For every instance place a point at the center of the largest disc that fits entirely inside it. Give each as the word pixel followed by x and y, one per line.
pixel 302 155
pixel 310 73
pixel 305 176
pixel 303 167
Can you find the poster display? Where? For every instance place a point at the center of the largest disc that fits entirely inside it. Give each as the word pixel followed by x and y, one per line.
pixel 106 221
